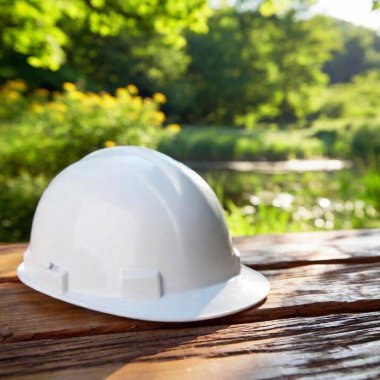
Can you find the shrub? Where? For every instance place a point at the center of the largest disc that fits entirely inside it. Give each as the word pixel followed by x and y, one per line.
pixel 225 144
pixel 18 200
pixel 356 139
pixel 366 141
pixel 44 132
pixel 357 99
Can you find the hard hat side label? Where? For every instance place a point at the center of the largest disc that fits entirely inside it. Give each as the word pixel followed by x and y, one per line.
pixel 141 284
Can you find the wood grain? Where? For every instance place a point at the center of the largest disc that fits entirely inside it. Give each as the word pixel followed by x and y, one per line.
pixel 10 258
pixel 344 346
pixel 320 321
pixel 300 291
pixel 288 250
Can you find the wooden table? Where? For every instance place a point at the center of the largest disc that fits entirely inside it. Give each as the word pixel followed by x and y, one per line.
pixel 321 320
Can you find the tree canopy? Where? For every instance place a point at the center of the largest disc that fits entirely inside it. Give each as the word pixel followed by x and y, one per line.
pixel 259 60
pixel 251 67
pixel 40 28
pixel 359 52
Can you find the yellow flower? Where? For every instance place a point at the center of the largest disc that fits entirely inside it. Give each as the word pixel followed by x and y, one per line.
pixel 132 89
pixel 69 86
pixel 92 97
pixel 174 128
pixel 121 92
pixel 18 85
pixel 37 108
pixel 59 117
pixel 159 97
pixel 160 117
pixel 13 95
pixel 57 107
pixel 109 144
pixel 137 101
pixel 107 99
pixel 76 95
pixel 42 92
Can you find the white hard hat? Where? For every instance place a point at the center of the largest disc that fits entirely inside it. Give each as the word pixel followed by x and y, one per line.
pixel 131 232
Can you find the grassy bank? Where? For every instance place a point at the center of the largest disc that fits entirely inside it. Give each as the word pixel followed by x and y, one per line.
pixel 293 202
pixel 349 139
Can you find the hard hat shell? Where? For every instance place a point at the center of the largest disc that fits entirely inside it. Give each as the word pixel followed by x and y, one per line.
pixel 131 232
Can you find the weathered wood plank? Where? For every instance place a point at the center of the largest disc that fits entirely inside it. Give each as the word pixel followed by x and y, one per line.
pixel 267 251
pixel 10 257
pixel 301 291
pixel 299 332
pixel 329 347
pixel 287 250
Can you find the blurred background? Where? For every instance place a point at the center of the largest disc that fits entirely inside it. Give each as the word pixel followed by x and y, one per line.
pixel 276 103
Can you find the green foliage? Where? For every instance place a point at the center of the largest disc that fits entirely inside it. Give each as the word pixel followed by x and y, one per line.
pixel 224 144
pixel 357 139
pixel 269 8
pixel 357 99
pixel 371 184
pixel 148 61
pixel 247 68
pixel 96 63
pixel 30 28
pixel 259 61
pixel 41 29
pixel 267 220
pixel 366 141
pixel 43 133
pixel 69 125
pixel 267 203
pixel 359 52
pixel 18 201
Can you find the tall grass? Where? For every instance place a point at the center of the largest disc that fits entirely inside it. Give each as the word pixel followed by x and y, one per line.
pixel 356 139
pixel 224 144
pixel 311 201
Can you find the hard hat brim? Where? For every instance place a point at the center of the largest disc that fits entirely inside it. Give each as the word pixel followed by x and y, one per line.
pixel 238 293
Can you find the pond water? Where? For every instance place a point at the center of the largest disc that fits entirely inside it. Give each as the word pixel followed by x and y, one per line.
pixel 286 200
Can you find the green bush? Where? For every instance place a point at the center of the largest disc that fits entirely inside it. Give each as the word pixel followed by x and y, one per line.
pixel 366 141
pixel 357 99
pixel 18 200
pixel 49 131
pixel 290 202
pixel 225 144
pixel 42 133
pixel 355 139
